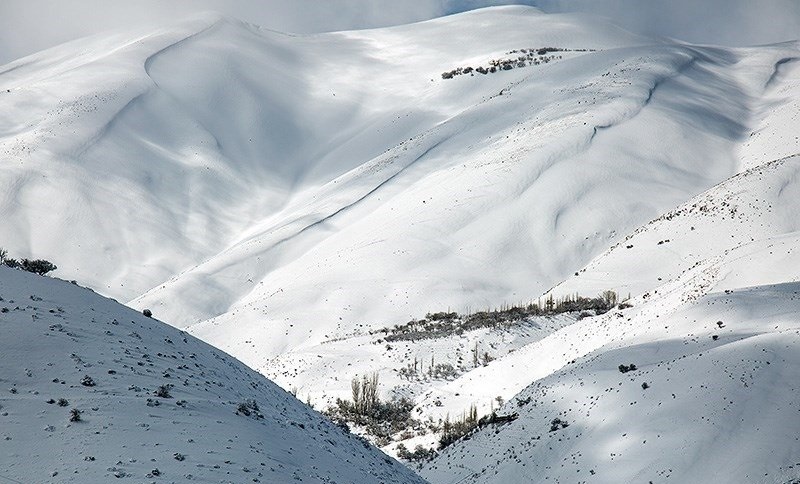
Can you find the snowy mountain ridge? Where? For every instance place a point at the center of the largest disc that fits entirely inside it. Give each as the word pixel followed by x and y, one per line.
pixel 292 198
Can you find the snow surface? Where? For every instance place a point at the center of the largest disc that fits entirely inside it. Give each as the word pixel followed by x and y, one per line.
pixel 716 411
pixel 56 333
pixel 216 199
pixel 714 331
pixel 284 197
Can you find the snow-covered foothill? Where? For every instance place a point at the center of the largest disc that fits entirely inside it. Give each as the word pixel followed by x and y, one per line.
pixel 91 391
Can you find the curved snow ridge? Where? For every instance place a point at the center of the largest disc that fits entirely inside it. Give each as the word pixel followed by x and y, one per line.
pixel 206 23
pixel 197 26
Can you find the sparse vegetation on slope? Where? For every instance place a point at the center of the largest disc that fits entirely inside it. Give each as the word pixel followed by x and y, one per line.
pixel 380 419
pixel 444 324
pixel 523 58
pixel 37 266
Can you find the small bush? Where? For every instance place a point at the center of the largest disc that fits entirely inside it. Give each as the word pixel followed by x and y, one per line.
pixel 87 381
pixel 626 368
pixel 249 408
pixel 74 415
pixel 148 313
pixel 62 402
pixel 38 266
pixel 557 424
pixel 163 391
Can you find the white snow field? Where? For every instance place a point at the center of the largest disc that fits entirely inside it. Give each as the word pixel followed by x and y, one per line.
pixel 287 198
pixel 285 190
pixel 56 334
pixel 714 332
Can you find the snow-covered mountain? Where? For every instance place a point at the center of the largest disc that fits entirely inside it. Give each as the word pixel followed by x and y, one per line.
pixel 232 176
pixel 153 403
pixel 290 199
pixel 713 333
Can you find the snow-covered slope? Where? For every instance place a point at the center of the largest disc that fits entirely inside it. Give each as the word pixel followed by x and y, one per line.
pixel 56 334
pixel 713 332
pixel 720 404
pixel 239 174
pixel 284 197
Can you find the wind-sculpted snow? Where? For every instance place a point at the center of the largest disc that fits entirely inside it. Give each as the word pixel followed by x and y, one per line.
pixel 234 173
pixel 713 335
pixel 153 402
pixel 498 219
pixel 284 197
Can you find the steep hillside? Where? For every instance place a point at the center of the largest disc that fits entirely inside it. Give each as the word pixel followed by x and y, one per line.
pixel 713 334
pixel 292 199
pixel 712 399
pixel 239 174
pixel 152 403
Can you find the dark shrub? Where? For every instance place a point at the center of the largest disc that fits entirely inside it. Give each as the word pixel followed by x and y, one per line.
pixel 420 454
pixel 557 424
pixel 163 391
pixel 38 266
pixel 249 408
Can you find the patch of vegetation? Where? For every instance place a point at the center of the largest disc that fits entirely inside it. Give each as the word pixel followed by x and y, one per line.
pixel 444 324
pixel 380 419
pixel 37 266
pixel 514 59
pixel 453 431
pixel 249 408
pixel 419 456
pixel 163 391
pixel 558 424
pixel 469 422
